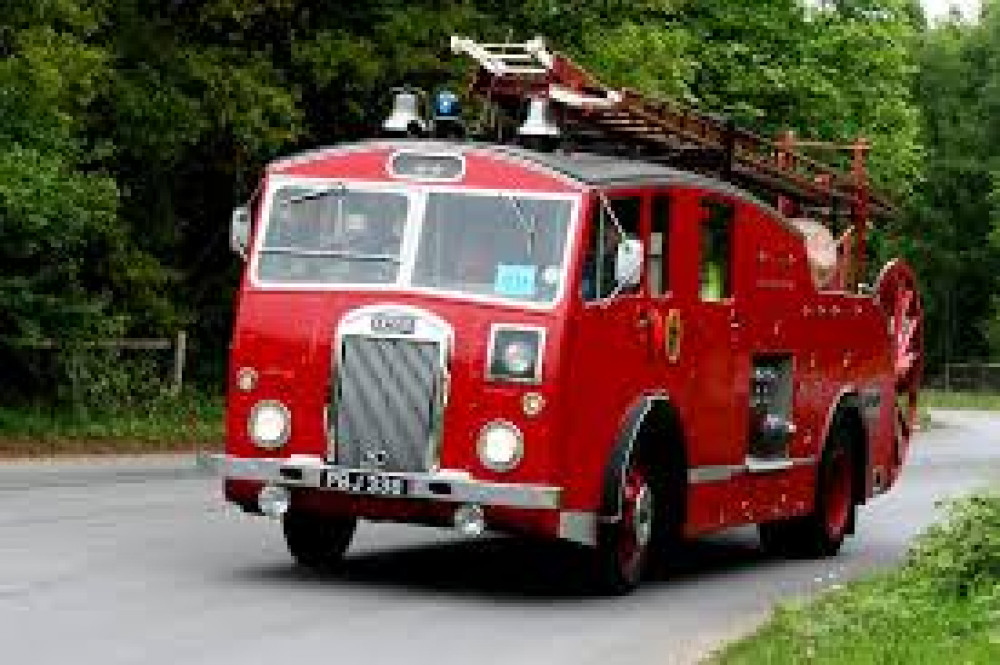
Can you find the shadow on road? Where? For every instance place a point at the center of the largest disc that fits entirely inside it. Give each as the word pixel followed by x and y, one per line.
pixel 514 568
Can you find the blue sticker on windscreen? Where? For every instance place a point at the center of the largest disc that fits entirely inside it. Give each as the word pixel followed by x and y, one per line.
pixel 515 281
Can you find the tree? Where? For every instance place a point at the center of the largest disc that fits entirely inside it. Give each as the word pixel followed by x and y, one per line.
pixel 947 232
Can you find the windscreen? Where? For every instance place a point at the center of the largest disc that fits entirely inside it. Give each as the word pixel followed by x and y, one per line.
pixel 333 236
pixel 503 245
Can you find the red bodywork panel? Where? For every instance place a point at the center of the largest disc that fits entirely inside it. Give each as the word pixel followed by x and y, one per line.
pixel 601 358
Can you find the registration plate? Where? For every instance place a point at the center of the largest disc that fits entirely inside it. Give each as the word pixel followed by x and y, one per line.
pixel 363 482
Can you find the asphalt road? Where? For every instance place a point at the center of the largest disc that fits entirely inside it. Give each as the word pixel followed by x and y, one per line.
pixel 137 561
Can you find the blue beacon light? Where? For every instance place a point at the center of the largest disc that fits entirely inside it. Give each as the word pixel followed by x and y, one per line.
pixel 446 105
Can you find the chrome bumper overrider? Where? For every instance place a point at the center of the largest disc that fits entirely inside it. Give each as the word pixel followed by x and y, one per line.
pixel 454 486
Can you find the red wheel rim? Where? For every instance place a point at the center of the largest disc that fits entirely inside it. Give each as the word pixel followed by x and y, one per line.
pixel 838 492
pixel 636 529
pixel 899 298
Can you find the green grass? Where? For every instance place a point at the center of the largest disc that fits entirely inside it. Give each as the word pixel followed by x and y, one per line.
pixel 942 606
pixel 939 399
pixel 166 424
pixel 879 621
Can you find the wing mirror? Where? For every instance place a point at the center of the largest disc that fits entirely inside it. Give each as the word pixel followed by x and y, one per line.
pixel 239 231
pixel 628 262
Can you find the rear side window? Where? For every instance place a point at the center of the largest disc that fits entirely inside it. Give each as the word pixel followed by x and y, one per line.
pixel 606 231
pixel 658 247
pixel 716 280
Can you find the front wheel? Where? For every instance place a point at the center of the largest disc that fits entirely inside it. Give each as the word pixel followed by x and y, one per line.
pixel 318 542
pixel 623 547
pixel 820 533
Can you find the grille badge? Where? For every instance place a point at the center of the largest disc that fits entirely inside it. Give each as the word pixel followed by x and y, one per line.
pixel 393 324
pixel 375 459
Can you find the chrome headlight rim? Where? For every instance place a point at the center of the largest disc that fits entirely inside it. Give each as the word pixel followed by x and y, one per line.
pixel 532 338
pixel 518 449
pixel 286 419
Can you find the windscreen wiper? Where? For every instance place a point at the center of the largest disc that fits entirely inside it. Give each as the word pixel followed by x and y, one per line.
pixel 527 221
pixel 337 190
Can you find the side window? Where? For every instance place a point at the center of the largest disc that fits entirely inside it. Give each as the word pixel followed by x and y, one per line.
pixel 716 281
pixel 658 252
pixel 602 245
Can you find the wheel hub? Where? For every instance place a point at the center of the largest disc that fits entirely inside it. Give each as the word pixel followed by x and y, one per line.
pixel 642 519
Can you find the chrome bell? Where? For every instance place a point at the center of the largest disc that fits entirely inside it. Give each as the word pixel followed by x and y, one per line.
pixel 405 116
pixel 540 120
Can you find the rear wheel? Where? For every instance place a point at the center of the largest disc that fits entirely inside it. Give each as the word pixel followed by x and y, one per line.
pixel 318 542
pixel 623 547
pixel 821 532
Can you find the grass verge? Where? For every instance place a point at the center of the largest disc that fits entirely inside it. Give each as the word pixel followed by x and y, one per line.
pixel 167 424
pixel 940 399
pixel 942 606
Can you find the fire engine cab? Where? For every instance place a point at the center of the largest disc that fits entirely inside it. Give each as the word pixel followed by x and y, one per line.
pixel 623 324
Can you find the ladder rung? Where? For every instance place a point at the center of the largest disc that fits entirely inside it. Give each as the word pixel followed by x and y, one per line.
pixel 522 70
pixel 513 57
pixel 505 46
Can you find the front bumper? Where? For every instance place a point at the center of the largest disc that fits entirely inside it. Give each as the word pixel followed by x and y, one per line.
pixel 453 486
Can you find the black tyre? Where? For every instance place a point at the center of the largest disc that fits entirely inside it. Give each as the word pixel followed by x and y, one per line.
pixel 820 533
pixel 623 548
pixel 318 542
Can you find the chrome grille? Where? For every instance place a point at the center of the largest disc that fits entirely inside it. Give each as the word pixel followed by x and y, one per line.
pixel 386 403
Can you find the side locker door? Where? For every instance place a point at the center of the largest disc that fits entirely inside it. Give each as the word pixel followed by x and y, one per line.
pixel 771 283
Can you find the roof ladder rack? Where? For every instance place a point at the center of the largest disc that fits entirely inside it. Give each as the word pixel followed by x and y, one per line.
pixel 529 58
pixel 509 74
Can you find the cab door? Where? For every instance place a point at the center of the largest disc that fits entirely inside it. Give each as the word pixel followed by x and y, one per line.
pixel 609 351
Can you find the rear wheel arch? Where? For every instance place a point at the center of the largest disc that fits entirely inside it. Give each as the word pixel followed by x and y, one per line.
pixel 846 414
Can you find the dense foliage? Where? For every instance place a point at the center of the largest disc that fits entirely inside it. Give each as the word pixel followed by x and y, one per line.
pixel 953 234
pixel 129 129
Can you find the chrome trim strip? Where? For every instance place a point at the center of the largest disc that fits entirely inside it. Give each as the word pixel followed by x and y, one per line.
pixel 759 465
pixel 578 527
pixel 450 486
pixel 714 473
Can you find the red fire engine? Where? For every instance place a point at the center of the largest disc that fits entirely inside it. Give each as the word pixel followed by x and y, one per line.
pixel 623 324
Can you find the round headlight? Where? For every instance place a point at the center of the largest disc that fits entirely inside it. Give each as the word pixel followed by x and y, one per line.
pixel 518 357
pixel 500 446
pixel 270 424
